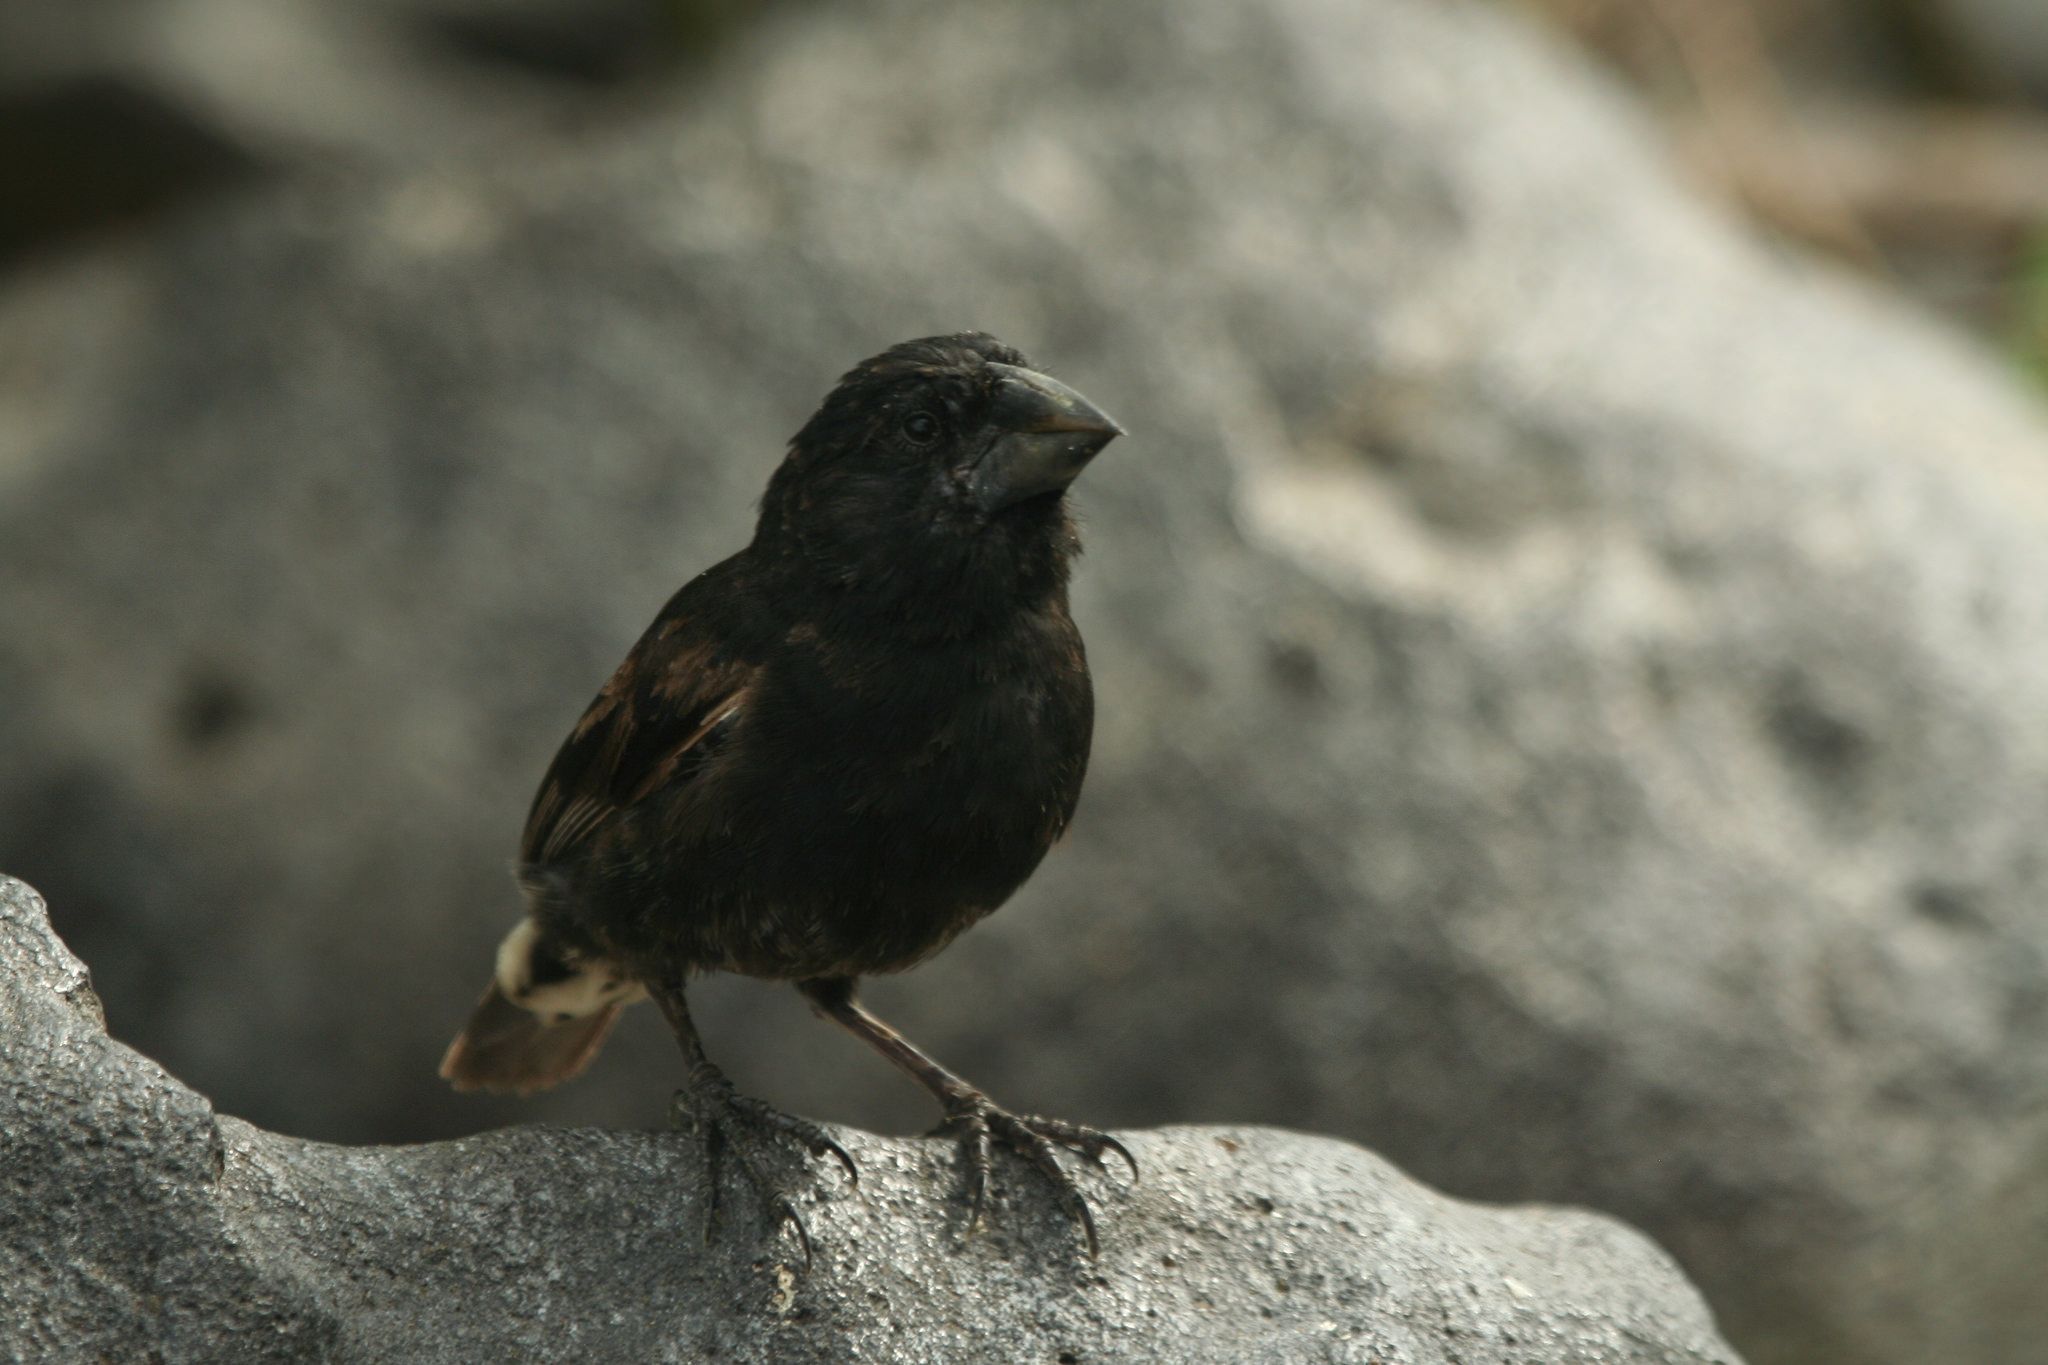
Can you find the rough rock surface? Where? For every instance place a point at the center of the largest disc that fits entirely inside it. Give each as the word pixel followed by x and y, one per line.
pixel 1570 679
pixel 142 1225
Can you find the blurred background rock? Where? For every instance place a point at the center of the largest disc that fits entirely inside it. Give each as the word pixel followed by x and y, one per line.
pixel 1904 136
pixel 1568 620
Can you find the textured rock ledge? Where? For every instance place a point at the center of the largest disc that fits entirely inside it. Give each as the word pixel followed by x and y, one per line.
pixel 139 1221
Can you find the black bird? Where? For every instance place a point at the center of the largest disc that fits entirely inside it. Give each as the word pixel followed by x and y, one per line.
pixel 828 755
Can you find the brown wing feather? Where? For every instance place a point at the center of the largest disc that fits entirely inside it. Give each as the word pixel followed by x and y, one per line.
pixel 646 729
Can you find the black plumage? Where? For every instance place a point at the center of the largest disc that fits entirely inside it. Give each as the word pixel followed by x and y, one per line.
pixel 829 754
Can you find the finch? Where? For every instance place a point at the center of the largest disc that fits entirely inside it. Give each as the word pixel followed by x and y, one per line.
pixel 827 756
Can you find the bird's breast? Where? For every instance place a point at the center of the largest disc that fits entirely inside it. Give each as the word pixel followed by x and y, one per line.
pixel 870 802
pixel 956 766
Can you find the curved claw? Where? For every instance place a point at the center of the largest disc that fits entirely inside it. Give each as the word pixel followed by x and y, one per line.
pixel 813 1136
pixel 1094 1145
pixel 786 1214
pixel 1078 1210
pixel 707 1114
pixel 1137 1176
pixel 977 1123
pixel 1089 1142
pixel 839 1154
pixel 1027 1137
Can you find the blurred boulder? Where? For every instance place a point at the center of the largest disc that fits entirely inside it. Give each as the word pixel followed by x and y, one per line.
pixel 113 109
pixel 95 154
pixel 143 1225
pixel 2010 37
pixel 1568 675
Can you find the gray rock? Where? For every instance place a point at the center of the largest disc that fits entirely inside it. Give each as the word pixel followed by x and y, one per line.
pixel 140 1224
pixel 2009 37
pixel 111 110
pixel 1568 675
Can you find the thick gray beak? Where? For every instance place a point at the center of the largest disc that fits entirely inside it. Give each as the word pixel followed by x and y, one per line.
pixel 1049 433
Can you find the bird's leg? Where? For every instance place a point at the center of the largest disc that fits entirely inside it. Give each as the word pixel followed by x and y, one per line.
pixel 972 1116
pixel 726 1120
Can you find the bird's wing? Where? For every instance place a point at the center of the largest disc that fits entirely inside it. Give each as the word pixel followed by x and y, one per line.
pixel 651 726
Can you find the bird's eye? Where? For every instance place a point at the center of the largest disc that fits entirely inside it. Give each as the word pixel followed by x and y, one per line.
pixel 921 427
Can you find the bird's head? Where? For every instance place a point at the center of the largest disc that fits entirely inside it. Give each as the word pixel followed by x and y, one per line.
pixel 945 455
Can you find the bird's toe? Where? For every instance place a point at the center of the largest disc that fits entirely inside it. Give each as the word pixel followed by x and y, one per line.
pixel 977 1124
pixel 752 1134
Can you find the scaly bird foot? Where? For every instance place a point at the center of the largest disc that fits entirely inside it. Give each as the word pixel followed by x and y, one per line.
pixel 978 1124
pixel 729 1122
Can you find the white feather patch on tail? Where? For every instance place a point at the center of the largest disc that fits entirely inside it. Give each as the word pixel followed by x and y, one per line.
pixel 590 985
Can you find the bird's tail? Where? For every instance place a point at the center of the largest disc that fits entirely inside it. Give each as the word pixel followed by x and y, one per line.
pixel 542 1020
pixel 505 1047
